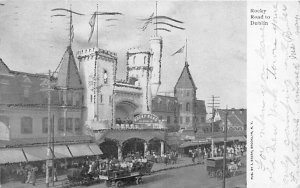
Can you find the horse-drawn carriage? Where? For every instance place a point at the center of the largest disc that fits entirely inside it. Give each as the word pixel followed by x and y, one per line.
pixel 214 167
pixel 80 176
pixel 121 173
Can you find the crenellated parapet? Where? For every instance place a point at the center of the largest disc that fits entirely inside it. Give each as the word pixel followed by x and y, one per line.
pixel 90 54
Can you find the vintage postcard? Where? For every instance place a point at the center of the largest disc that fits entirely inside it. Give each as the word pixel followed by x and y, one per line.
pixel 179 94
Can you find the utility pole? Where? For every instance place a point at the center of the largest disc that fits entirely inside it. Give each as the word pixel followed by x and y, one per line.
pixel 225 149
pixel 213 105
pixel 48 163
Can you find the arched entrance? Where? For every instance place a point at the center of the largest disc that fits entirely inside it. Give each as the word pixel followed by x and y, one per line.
pixel 133 146
pixel 156 145
pixel 125 111
pixel 109 149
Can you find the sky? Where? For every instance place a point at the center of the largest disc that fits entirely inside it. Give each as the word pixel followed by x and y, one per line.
pixel 33 41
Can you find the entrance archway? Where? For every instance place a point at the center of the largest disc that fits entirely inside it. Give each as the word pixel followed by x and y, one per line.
pixel 125 111
pixel 133 146
pixel 155 145
pixel 109 149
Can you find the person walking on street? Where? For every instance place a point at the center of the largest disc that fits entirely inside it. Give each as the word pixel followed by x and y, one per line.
pixel 33 175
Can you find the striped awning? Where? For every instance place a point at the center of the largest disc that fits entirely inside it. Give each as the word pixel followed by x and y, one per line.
pixel 95 149
pixel 37 153
pixel 61 151
pixel 78 150
pixel 11 155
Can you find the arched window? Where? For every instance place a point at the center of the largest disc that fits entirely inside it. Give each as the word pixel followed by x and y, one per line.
pixel 26 125
pixel 4 120
pixel 187 107
pixel 105 77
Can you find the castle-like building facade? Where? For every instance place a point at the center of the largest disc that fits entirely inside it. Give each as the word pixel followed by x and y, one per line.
pixel 85 95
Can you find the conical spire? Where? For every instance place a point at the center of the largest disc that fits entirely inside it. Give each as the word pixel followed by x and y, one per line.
pixel 68 75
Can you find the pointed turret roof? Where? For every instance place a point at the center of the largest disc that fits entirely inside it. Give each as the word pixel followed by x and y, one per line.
pixel 185 79
pixel 4 70
pixel 68 75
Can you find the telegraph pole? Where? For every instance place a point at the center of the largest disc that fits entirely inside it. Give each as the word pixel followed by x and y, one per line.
pixel 48 163
pixel 225 149
pixel 214 104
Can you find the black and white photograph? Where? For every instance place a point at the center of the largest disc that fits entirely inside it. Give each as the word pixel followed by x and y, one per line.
pixel 148 94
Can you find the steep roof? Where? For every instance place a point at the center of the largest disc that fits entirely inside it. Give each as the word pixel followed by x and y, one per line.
pixel 185 79
pixel 68 75
pixel 4 70
pixel 236 117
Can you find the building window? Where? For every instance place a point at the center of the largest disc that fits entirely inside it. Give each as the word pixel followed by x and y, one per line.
pixel 110 99
pixel 26 92
pixel 91 98
pixel 160 118
pixel 187 107
pixel 105 77
pixel 180 119
pixel 45 124
pixel 180 106
pixel 145 60
pixel 134 60
pixel 60 126
pixel 77 125
pixel 187 93
pixel 69 127
pixel 101 98
pixel 26 125
pixel 77 99
pixel 4 120
pixel 187 119
pixel 168 120
pixel 69 97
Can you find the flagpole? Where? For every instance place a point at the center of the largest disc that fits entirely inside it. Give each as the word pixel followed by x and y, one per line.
pixel 186 51
pixel 156 17
pixel 70 37
pixel 97 24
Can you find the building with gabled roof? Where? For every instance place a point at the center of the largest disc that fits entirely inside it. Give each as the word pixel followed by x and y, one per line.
pixel 24 101
pixel 191 110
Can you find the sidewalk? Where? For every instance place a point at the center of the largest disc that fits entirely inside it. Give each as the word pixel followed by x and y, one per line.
pixel 157 167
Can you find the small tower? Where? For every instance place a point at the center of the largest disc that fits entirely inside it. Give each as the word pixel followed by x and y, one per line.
pixel 139 67
pixel 156 45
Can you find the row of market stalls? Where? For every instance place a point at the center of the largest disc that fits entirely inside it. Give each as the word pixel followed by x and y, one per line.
pixel 28 150
pixel 39 153
pixel 189 140
pixel 19 154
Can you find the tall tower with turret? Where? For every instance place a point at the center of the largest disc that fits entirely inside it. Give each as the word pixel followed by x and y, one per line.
pixel 139 68
pixel 156 45
pixel 97 70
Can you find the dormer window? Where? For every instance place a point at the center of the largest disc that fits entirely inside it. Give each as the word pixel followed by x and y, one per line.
pixel 105 77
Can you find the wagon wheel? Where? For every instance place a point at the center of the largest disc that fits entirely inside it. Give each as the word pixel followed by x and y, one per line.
pixel 119 184
pixel 138 180
pixel 220 174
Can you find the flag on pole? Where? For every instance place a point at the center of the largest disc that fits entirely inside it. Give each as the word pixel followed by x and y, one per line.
pixel 179 51
pixel 149 20
pixel 92 24
pixel 72 33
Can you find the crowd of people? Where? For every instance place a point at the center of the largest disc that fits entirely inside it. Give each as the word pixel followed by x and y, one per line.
pixel 201 153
